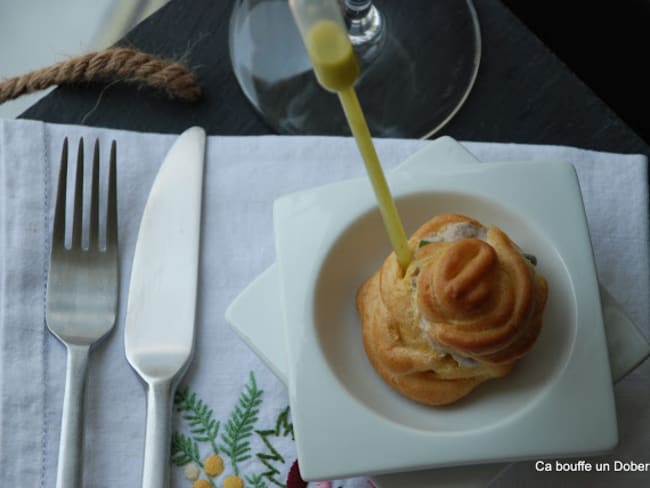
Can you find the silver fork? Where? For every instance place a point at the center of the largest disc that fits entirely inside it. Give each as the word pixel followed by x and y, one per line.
pixel 82 291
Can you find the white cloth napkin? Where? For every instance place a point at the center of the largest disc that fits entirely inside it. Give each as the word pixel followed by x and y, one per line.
pixel 243 177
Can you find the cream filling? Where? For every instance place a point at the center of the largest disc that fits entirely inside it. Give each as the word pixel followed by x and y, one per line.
pixel 458 231
pixel 463 361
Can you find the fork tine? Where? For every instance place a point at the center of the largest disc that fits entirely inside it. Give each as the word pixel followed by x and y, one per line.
pixel 93 229
pixel 78 197
pixel 111 211
pixel 58 230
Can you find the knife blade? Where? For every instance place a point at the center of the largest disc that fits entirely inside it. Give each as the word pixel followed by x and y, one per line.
pixel 160 315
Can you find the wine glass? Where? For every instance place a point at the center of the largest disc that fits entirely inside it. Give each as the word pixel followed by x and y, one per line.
pixel 419 60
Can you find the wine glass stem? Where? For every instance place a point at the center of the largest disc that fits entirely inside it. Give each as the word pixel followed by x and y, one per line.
pixel 365 23
pixel 360 6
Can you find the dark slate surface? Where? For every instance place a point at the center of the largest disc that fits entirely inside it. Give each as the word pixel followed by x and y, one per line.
pixel 523 93
pixel 604 44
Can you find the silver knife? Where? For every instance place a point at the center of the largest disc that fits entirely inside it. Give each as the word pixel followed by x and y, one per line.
pixel 159 324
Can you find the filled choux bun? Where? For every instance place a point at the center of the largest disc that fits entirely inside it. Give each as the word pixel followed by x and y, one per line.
pixel 469 306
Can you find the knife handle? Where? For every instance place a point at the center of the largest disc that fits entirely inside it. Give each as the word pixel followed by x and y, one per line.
pixel 157 435
pixel 69 473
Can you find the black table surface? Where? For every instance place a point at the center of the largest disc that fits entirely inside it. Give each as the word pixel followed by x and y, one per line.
pixel 523 92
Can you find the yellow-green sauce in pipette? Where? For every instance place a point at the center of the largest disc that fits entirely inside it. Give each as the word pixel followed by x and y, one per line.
pixel 332 56
pixel 337 69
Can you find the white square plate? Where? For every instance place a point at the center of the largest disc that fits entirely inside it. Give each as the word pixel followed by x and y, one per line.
pixel 257 317
pixel 347 421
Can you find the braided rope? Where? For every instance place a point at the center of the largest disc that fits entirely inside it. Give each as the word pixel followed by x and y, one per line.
pixel 118 63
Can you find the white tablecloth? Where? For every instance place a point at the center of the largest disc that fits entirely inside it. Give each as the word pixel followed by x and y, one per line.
pixel 243 177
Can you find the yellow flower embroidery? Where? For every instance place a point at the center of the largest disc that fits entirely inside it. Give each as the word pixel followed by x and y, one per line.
pixel 201 484
pixel 213 465
pixel 192 471
pixel 233 482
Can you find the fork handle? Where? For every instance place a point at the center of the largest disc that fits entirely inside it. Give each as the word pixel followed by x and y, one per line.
pixel 69 472
pixel 158 434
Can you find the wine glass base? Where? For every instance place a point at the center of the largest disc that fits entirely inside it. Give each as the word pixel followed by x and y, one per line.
pixel 417 80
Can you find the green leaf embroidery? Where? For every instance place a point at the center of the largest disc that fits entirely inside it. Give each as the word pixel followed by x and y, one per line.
pixel 240 425
pixel 203 426
pixel 255 481
pixel 184 450
pixel 270 458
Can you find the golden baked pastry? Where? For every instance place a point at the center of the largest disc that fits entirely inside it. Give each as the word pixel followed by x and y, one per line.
pixel 467 308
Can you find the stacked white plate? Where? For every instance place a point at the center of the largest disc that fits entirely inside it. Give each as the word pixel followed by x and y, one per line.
pixel 300 318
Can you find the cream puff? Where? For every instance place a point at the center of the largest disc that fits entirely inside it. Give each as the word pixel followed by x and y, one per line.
pixel 468 306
